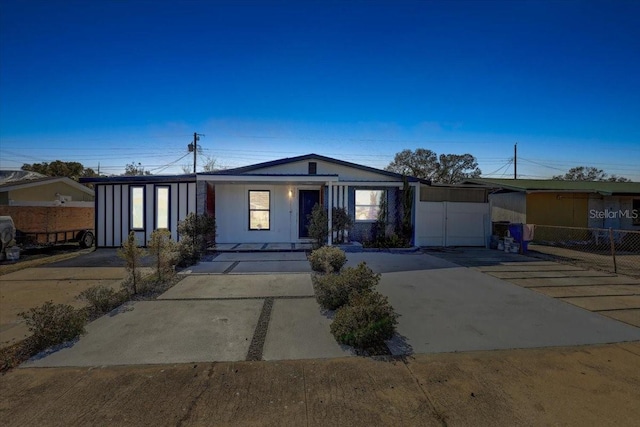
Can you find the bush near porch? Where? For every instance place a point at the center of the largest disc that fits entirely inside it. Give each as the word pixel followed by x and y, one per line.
pixel 364 318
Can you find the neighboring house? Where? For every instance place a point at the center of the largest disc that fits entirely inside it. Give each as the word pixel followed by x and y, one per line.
pixel 44 204
pixel 593 204
pixel 262 203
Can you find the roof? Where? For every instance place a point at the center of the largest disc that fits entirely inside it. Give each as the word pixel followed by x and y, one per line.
pixel 251 168
pixel 139 178
pixel 549 185
pixel 26 183
pixel 7 176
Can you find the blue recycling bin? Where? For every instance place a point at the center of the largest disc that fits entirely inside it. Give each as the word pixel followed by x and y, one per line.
pixel 516 232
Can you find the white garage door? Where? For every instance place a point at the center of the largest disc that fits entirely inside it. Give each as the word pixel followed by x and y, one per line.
pixel 452 224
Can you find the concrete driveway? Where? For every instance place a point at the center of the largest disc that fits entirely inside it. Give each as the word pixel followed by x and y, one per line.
pixel 220 312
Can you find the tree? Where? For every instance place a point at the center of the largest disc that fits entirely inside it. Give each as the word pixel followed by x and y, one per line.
pixel 589 173
pixel 132 169
pixel 210 164
pixel 73 170
pixel 425 164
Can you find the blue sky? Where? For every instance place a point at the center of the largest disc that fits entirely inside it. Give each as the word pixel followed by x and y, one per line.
pixel 115 82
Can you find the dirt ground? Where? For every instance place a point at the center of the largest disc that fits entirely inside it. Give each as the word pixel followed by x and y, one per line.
pixel 30 287
pixel 590 385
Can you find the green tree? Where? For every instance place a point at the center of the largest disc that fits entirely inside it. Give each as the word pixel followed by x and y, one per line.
pixel 426 164
pixel 163 250
pixel 589 173
pixel 73 170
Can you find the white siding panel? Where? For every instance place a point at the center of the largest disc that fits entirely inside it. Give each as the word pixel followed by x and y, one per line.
pixel 173 209
pixel 125 212
pixel 100 215
pixel 192 197
pixel 109 215
pixel 117 215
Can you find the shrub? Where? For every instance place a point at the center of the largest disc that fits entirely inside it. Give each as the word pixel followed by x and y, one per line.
pixel 366 322
pixel 318 225
pixel 163 250
pixel 334 290
pixel 101 299
pixel 53 324
pixel 197 232
pixel 327 259
pixel 341 221
pixel 132 256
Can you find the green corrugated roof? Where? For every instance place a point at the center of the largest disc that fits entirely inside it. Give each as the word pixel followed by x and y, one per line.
pixel 533 185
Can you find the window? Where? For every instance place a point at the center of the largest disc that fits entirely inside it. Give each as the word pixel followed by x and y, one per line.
pixel 313 168
pixel 259 203
pixel 162 207
pixel 635 213
pixel 368 204
pixel 137 208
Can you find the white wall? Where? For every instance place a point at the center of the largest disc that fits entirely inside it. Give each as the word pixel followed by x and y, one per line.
pixel 346 173
pixel 232 213
pixel 615 205
pixel 452 224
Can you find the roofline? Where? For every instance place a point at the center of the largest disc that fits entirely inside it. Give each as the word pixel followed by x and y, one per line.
pixel 139 178
pixel 287 160
pixel 48 180
pixel 494 185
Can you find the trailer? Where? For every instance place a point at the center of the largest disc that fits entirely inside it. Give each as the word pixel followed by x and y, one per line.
pixel 84 237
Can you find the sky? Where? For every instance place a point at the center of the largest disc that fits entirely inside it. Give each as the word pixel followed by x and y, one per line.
pixel 108 83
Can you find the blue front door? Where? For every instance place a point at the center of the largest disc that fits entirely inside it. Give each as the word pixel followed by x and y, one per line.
pixel 308 199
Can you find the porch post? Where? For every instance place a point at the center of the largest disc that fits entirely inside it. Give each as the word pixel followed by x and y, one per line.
pixel 329 209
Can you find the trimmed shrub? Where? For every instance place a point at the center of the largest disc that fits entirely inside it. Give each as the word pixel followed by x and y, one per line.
pixel 327 259
pixel 318 225
pixel 101 299
pixel 366 322
pixel 334 290
pixel 341 222
pixel 197 232
pixel 53 324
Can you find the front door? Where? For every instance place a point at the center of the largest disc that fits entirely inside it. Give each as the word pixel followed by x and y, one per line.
pixel 308 199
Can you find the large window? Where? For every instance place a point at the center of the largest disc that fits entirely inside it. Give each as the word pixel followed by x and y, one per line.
pixel 162 207
pixel 259 214
pixel 137 208
pixel 368 204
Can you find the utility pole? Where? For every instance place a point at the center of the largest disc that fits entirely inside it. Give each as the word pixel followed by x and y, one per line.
pixel 194 147
pixel 515 161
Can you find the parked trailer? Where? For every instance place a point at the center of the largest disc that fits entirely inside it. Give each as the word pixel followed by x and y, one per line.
pixel 84 237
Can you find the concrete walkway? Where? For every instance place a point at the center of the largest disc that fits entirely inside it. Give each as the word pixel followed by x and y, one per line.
pixel 613 295
pixel 235 316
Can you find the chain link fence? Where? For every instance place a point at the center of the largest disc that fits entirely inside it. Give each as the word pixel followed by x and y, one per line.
pixel 616 251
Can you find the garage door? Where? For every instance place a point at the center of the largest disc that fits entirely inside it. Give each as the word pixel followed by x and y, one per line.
pixel 452 224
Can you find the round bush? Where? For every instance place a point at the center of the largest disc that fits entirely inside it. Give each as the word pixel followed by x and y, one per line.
pixel 366 322
pixel 327 259
pixel 334 290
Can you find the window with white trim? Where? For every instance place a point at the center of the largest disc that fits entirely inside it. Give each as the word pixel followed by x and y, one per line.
pixel 137 208
pixel 162 207
pixel 259 209
pixel 368 204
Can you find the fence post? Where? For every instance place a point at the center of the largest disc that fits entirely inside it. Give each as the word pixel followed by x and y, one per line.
pixel 613 250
